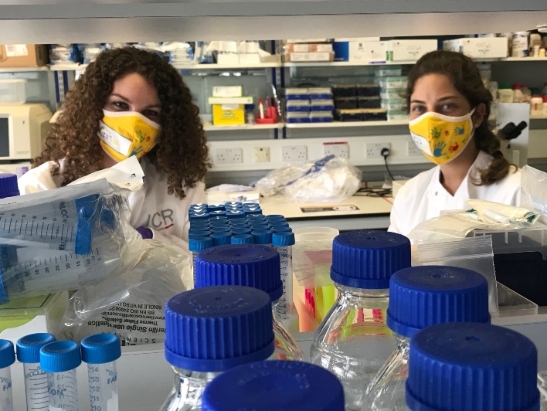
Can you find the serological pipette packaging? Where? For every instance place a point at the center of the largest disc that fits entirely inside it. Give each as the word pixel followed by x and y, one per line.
pixel 129 302
pixel 533 191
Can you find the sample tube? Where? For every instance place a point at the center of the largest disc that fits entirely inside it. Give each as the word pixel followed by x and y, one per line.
pixel 242 239
pixel 195 245
pixel 7 357
pixel 100 352
pixel 28 353
pixel 286 310
pixel 60 359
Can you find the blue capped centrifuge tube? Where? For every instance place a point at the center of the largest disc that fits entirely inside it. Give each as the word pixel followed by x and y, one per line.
pixel 28 353
pixel 7 357
pixel 100 352
pixel 60 359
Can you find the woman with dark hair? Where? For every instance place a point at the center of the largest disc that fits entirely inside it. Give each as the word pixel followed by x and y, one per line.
pixel 131 102
pixel 449 109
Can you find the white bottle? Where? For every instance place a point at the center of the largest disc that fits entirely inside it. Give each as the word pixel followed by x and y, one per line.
pixel 518 96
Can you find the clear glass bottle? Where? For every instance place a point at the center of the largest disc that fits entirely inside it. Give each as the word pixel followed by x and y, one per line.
pixel 353 340
pixel 275 385
pixel 233 326
pixel 472 367
pixel 250 265
pixel 421 297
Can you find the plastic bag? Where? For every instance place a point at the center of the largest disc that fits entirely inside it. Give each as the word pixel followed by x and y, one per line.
pixel 130 301
pixel 533 191
pixel 330 179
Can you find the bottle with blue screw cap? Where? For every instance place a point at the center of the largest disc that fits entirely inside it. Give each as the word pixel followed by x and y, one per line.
pixel 275 385
pixel 353 340
pixel 249 265
pixel 234 327
pixel 472 367
pixel 7 358
pixel 437 295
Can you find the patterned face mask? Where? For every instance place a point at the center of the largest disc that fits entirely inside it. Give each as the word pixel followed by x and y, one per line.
pixel 127 133
pixel 441 138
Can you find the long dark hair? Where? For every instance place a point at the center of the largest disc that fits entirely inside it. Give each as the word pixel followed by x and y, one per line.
pixel 181 152
pixel 466 78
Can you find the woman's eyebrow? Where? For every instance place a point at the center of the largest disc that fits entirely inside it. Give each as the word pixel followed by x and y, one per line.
pixel 120 96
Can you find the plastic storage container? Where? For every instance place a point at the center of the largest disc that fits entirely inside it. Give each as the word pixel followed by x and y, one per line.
pixel 421 297
pixel 389 71
pixel 391 83
pixel 320 93
pixel 321 105
pixel 345 103
pixel 394 95
pixel 369 102
pixel 296 118
pixel 353 340
pixel 298 106
pixel 297 94
pixel 275 385
pixel 344 90
pixel 13 91
pixel 368 90
pixel 472 367
pixel 321 117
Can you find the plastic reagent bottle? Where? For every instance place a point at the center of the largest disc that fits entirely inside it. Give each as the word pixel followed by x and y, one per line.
pixel 275 385
pixel 353 340
pixel 472 367
pixel 421 297
pixel 249 265
pixel 28 353
pixel 210 330
pixel 60 359
pixel 286 310
pixel 100 352
pixel 7 358
pixel 197 244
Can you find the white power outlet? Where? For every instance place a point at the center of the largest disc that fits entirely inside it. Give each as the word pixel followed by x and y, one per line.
pixel 412 150
pixel 228 155
pixel 262 154
pixel 374 150
pixel 294 153
pixel 337 149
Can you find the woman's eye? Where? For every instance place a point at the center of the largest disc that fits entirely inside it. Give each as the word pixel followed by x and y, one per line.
pixel 150 113
pixel 120 105
pixel 448 107
pixel 418 109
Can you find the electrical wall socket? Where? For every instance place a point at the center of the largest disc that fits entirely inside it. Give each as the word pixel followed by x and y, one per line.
pixel 340 149
pixel 262 154
pixel 412 150
pixel 290 154
pixel 228 155
pixel 374 150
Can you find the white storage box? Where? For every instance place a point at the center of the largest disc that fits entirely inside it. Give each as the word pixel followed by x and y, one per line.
pixel 484 47
pixel 13 91
pixel 410 50
pixel 364 50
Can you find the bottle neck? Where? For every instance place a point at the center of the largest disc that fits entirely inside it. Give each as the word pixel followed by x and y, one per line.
pixel 359 293
pixel 191 384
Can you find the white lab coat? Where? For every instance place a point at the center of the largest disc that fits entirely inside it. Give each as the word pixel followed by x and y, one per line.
pixel 151 207
pixel 424 197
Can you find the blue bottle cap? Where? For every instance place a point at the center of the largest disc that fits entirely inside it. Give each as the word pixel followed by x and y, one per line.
pixel 249 265
pixel 279 223
pixel 28 347
pixel 221 238
pixel 7 353
pixel 218 213
pixel 101 348
pixel 199 223
pixel 197 210
pixel 437 294
pixel 275 217
pixel 233 204
pixel 215 208
pixel 239 223
pixel 218 218
pixel 8 185
pixel 198 244
pixel 198 216
pixel 257 217
pixel 235 214
pixel 275 385
pixel 60 356
pixel 219 224
pixel 241 230
pixel 198 234
pixel 367 258
pixel 233 326
pixel 262 236
pixel 199 205
pixel 472 367
pixel 282 230
pixel 282 239
pixel 252 211
pixel 242 239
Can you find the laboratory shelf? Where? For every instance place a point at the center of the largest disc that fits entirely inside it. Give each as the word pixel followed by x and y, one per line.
pixel 346 124
pixel 228 66
pixel 347 63
pixel 67 67
pixel 246 127
pixel 22 69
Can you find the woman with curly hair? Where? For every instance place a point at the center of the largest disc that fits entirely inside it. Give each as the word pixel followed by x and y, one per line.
pixel 131 102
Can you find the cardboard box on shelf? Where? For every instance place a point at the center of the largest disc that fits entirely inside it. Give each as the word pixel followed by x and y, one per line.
pixel 23 55
pixel 308 47
pixel 409 50
pixel 483 47
pixel 228 113
pixel 365 50
pixel 310 57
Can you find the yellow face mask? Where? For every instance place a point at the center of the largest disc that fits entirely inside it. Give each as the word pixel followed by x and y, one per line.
pixel 126 133
pixel 441 138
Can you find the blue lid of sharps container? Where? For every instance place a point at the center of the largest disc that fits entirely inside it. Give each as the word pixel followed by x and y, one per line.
pixel 213 329
pixel 437 294
pixel 28 347
pixel 8 185
pixel 7 353
pixel 274 385
pixel 101 348
pixel 367 258
pixel 250 265
pixel 472 367
pixel 60 356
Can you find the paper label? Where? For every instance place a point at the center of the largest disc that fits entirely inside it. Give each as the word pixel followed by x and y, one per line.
pixel 16 50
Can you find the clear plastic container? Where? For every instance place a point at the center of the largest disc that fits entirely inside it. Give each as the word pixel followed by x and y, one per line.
pixel 320 93
pixel 436 294
pixel 296 118
pixel 321 117
pixel 298 106
pixel 7 358
pixel 255 266
pixel 283 243
pixel 389 71
pixel 472 367
pixel 393 83
pixel 297 94
pixel 353 340
pixel 275 385
pixel 234 326
pixel 393 94
pixel 322 105
pixel 13 91
pixel 397 115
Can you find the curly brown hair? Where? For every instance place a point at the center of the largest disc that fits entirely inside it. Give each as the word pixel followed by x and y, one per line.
pixel 181 152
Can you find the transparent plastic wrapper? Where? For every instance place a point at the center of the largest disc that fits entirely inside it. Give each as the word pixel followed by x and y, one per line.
pixel 330 179
pixel 474 253
pixel 494 213
pixel 129 302
pixel 533 191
